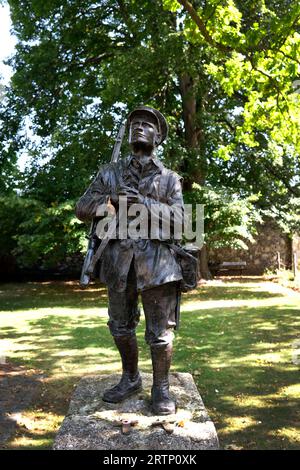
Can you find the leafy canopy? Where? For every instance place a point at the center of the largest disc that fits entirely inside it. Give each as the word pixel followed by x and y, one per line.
pixel 80 67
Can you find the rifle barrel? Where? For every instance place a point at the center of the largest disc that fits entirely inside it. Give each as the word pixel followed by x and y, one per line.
pixel 118 143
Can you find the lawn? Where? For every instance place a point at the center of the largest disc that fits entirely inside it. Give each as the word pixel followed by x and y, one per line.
pixel 238 337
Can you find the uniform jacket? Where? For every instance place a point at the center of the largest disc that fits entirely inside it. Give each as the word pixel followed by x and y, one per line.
pixel 154 261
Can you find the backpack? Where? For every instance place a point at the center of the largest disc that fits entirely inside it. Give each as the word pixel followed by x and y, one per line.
pixel 188 258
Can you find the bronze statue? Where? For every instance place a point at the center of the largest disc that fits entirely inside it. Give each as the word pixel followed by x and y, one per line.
pixel 145 266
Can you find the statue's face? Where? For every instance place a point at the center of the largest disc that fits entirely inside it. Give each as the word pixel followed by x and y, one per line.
pixel 143 130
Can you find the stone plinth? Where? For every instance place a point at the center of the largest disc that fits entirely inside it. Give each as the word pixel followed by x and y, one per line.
pixel 92 424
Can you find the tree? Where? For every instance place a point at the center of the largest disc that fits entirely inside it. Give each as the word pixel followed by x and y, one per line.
pixel 256 62
pixel 35 235
pixel 221 71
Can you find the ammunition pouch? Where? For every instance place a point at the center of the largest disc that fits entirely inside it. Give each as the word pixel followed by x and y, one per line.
pixel 189 261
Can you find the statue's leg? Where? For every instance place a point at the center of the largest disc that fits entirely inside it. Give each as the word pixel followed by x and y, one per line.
pixel 161 402
pixel 160 307
pixel 131 381
pixel 123 319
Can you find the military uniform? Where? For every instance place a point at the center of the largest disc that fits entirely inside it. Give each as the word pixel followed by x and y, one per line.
pixel 144 265
pixel 129 266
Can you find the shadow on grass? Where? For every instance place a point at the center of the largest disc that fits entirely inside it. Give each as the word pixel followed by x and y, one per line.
pixel 34 295
pixel 241 361
pixel 18 389
pixel 228 292
pixel 43 416
pixel 240 358
pixel 57 339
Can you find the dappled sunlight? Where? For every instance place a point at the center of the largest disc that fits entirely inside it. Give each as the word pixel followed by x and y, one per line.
pixel 239 423
pixel 236 338
pixel 235 295
pixel 87 350
pixel 287 433
pixel 90 365
pixel 267 358
pixel 240 353
pixel 291 390
pixel 56 294
pixel 210 304
pixel 60 312
pixel 35 429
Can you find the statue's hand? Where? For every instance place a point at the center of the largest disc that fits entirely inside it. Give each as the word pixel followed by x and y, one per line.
pixel 132 196
pixel 114 199
pixel 135 199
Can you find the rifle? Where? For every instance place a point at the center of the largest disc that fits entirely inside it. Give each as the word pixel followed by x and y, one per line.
pixel 92 256
pixel 85 276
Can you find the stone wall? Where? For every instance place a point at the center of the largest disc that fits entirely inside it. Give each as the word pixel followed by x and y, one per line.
pixel 261 255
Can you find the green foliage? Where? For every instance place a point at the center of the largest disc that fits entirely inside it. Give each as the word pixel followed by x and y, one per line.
pixel 14 210
pixel 288 217
pixel 80 67
pixel 171 5
pixel 263 73
pixel 228 219
pixel 253 52
pixel 39 235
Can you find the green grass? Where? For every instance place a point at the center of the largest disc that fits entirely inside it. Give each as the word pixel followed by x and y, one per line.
pixel 236 338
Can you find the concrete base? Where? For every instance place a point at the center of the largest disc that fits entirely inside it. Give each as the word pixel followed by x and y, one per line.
pixel 92 424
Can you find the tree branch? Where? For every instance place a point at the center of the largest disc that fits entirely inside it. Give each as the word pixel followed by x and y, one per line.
pixel 275 84
pixel 284 38
pixel 292 190
pixel 202 28
pixel 222 47
pixel 288 56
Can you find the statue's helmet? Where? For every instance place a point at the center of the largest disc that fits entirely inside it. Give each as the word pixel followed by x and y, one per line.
pixel 162 125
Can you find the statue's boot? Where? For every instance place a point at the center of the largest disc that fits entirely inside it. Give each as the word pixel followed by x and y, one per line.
pixel 161 402
pixel 131 381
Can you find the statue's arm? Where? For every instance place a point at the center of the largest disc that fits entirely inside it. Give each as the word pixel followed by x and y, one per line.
pixel 96 194
pixel 174 204
pixel 174 195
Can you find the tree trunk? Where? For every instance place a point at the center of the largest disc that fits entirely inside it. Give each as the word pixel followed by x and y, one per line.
pixel 194 166
pixel 204 269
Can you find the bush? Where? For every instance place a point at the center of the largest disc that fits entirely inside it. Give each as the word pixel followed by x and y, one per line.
pixel 229 220
pixel 39 235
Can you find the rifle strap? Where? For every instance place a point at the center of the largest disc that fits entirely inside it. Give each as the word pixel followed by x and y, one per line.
pixel 163 193
pixel 102 245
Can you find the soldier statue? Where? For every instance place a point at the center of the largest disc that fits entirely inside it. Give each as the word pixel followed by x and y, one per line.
pixel 144 266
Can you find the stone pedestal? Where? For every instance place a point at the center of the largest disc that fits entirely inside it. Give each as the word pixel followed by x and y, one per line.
pixel 92 424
